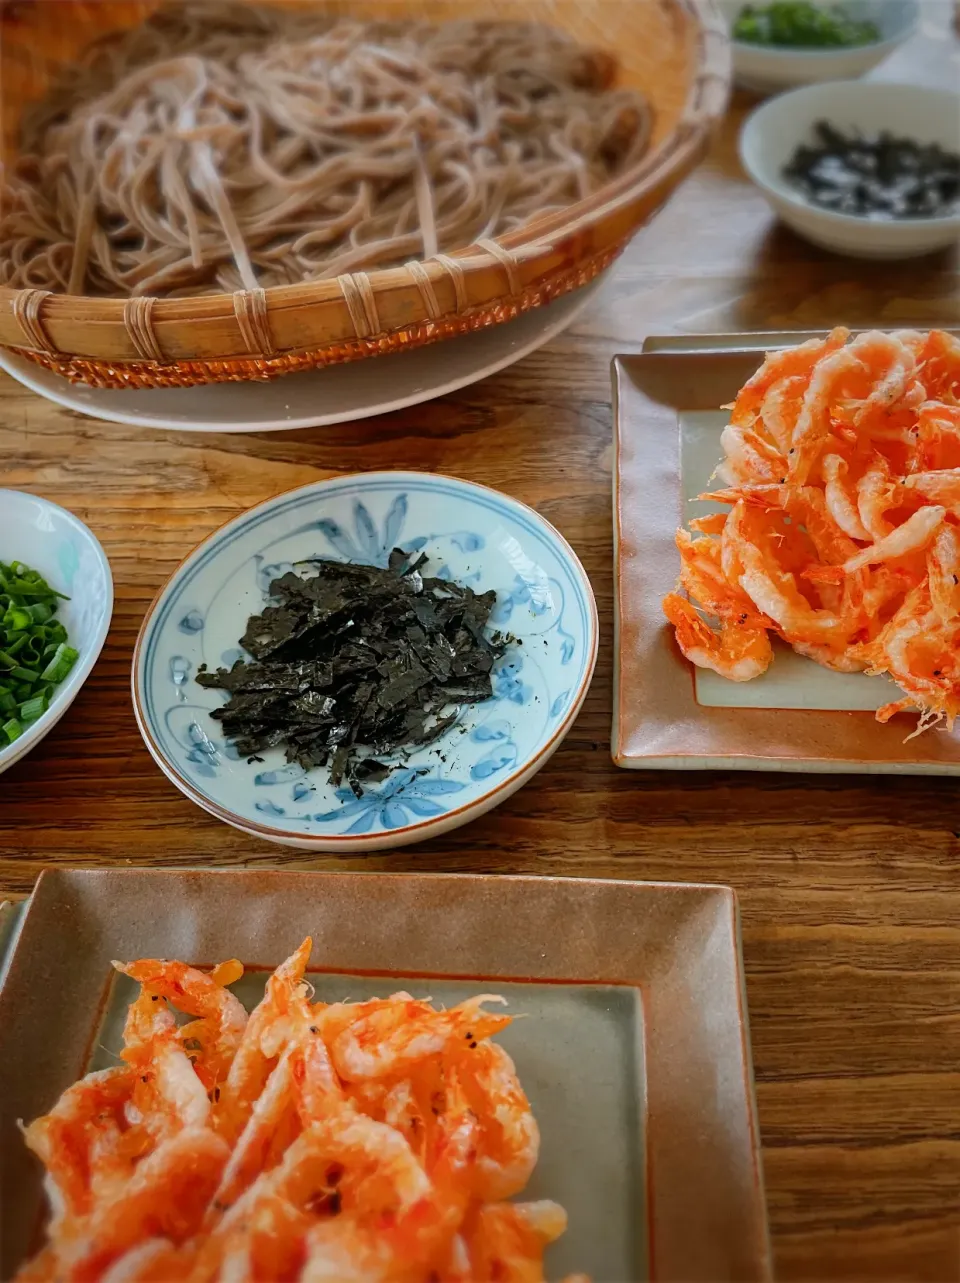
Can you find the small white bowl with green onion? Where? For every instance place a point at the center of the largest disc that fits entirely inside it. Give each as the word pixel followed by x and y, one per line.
pixel 56 600
pixel 787 43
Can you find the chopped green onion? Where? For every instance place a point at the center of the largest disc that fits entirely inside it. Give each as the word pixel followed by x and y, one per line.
pixel 33 708
pixel 799 24
pixel 34 650
pixel 16 619
pixel 40 612
pixel 63 660
pixel 24 588
pixel 12 729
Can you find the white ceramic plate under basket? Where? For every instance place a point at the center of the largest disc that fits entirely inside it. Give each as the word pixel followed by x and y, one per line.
pixel 315 398
pixel 474 535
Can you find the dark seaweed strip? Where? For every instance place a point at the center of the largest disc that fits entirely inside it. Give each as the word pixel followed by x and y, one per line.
pixel 884 177
pixel 356 662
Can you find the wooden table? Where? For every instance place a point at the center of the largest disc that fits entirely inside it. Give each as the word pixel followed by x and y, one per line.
pixel 850 887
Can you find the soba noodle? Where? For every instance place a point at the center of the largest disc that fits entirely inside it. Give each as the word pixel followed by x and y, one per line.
pixel 220 146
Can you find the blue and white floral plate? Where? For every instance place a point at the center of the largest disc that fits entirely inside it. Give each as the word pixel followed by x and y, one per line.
pixel 474 535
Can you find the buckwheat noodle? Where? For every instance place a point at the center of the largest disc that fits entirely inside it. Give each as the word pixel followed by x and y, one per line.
pixel 220 146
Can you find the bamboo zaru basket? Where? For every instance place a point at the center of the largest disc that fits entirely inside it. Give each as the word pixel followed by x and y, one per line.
pixel 675 51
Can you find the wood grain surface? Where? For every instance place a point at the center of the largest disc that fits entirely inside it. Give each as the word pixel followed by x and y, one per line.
pixel 849 887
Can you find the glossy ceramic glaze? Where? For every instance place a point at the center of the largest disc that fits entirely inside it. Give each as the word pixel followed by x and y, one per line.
pixel 474 535
pixel 772 133
pixel 69 556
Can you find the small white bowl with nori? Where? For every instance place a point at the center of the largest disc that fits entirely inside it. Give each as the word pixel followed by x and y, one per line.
pixel 471 536
pixel 772 134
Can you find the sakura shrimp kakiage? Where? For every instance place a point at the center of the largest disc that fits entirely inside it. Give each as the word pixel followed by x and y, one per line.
pixel 842 475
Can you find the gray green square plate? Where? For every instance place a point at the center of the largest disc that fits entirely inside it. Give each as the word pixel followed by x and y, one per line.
pixel 634 1047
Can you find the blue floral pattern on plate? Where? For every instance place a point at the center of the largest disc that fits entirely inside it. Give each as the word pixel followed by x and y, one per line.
pixel 469 534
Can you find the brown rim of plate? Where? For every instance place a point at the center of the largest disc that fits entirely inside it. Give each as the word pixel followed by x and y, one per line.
pixel 518 778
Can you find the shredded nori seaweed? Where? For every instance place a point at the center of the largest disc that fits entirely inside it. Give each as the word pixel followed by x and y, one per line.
pixel 355 662
pixel 880 177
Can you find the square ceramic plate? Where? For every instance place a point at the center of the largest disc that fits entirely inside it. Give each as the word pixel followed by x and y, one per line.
pixel 634 1049
pixel 667 714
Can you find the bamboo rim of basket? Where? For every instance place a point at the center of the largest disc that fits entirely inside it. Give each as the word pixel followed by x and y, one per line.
pixel 183 374
pixel 388 309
